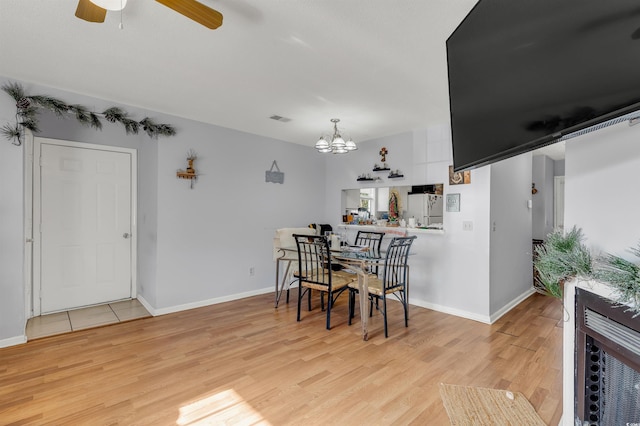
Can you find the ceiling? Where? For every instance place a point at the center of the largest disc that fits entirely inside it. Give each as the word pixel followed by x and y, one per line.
pixel 378 65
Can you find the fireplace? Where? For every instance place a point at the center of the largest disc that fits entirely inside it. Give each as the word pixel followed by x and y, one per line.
pixel 607 362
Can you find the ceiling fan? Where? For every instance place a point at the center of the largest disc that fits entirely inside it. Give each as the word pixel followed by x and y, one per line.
pixel 96 10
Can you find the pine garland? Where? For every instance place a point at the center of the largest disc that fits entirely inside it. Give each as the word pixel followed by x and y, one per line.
pixel 564 256
pixel 27 107
pixel 622 275
pixel 561 257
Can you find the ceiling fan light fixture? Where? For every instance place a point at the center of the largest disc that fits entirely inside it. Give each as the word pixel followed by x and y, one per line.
pixel 110 4
pixel 96 10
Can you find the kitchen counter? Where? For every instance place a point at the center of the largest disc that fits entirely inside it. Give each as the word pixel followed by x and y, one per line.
pixel 391 229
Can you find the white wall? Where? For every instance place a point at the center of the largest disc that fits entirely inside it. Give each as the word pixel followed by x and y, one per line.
pixel 601 188
pixel 449 272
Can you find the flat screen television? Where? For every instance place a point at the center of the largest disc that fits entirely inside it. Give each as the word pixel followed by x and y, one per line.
pixel 524 73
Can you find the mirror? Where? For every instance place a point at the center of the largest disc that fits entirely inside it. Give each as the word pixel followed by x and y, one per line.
pixel 371 205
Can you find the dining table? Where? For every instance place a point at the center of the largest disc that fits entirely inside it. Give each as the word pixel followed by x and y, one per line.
pixel 357 259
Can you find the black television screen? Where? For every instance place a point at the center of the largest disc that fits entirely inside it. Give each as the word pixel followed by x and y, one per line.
pixel 524 73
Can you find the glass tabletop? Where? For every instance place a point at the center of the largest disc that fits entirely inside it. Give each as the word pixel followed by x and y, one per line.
pixel 355 255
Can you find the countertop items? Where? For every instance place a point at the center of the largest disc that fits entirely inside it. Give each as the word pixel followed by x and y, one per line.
pixel 394 229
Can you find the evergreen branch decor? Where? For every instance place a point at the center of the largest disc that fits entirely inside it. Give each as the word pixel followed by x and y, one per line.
pixel 623 276
pixel 27 107
pixel 562 257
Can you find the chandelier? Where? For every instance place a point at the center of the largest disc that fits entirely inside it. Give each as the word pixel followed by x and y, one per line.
pixel 336 145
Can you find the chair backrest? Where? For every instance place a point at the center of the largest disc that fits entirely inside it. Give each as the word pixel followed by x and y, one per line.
pixel 371 239
pixel 284 238
pixel 314 260
pixel 394 273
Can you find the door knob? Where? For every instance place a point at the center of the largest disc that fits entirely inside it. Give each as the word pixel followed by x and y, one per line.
pixel 126 235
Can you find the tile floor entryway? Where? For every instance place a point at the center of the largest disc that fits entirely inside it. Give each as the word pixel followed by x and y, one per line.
pixel 80 319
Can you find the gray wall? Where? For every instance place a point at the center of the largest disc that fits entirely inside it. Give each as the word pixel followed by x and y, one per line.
pixel 511 271
pixel 12 296
pixel 191 243
pixel 542 175
pixel 196 246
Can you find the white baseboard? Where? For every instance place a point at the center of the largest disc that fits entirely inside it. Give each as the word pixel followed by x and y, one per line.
pixel 506 308
pixel 13 341
pixel 146 304
pixel 451 311
pixel 200 303
pixel 486 319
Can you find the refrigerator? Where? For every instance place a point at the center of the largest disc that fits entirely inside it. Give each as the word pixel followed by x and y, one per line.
pixel 425 208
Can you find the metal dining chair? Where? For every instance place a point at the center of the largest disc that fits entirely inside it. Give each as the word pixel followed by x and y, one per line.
pixel 373 240
pixel 394 281
pixel 283 243
pixel 315 272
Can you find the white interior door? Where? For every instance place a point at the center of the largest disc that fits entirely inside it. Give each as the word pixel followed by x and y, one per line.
pixel 84 200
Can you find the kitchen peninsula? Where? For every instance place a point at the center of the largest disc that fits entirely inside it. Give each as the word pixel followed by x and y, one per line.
pixel 390 231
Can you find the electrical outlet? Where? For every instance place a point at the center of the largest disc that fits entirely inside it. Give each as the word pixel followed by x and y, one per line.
pixel 467 225
pixel 252 271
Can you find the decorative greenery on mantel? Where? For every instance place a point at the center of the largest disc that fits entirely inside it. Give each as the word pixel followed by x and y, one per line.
pixel 564 256
pixel 560 258
pixel 27 107
pixel 622 275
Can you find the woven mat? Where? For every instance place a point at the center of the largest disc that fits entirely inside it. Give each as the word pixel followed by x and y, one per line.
pixel 467 405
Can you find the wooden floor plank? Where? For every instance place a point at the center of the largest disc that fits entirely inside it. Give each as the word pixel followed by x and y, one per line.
pixel 248 363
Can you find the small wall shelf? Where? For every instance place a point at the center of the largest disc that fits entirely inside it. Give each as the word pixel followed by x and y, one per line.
pixel 186 175
pixel 381 169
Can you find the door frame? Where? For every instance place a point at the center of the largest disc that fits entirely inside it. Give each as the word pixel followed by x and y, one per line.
pixel 558 201
pixel 32 215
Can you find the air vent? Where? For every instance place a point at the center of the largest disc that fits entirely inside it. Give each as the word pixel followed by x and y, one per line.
pixel 280 118
pixel 616 332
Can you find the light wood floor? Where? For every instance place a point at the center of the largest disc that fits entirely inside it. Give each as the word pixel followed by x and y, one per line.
pixel 244 362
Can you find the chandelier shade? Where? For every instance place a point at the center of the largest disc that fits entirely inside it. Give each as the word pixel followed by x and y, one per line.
pixel 322 143
pixel 336 144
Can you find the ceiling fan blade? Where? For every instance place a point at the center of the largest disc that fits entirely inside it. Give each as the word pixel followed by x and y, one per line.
pixel 90 12
pixel 192 9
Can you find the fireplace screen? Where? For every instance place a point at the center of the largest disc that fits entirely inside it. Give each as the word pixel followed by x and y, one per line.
pixel 608 368
pixel 612 389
